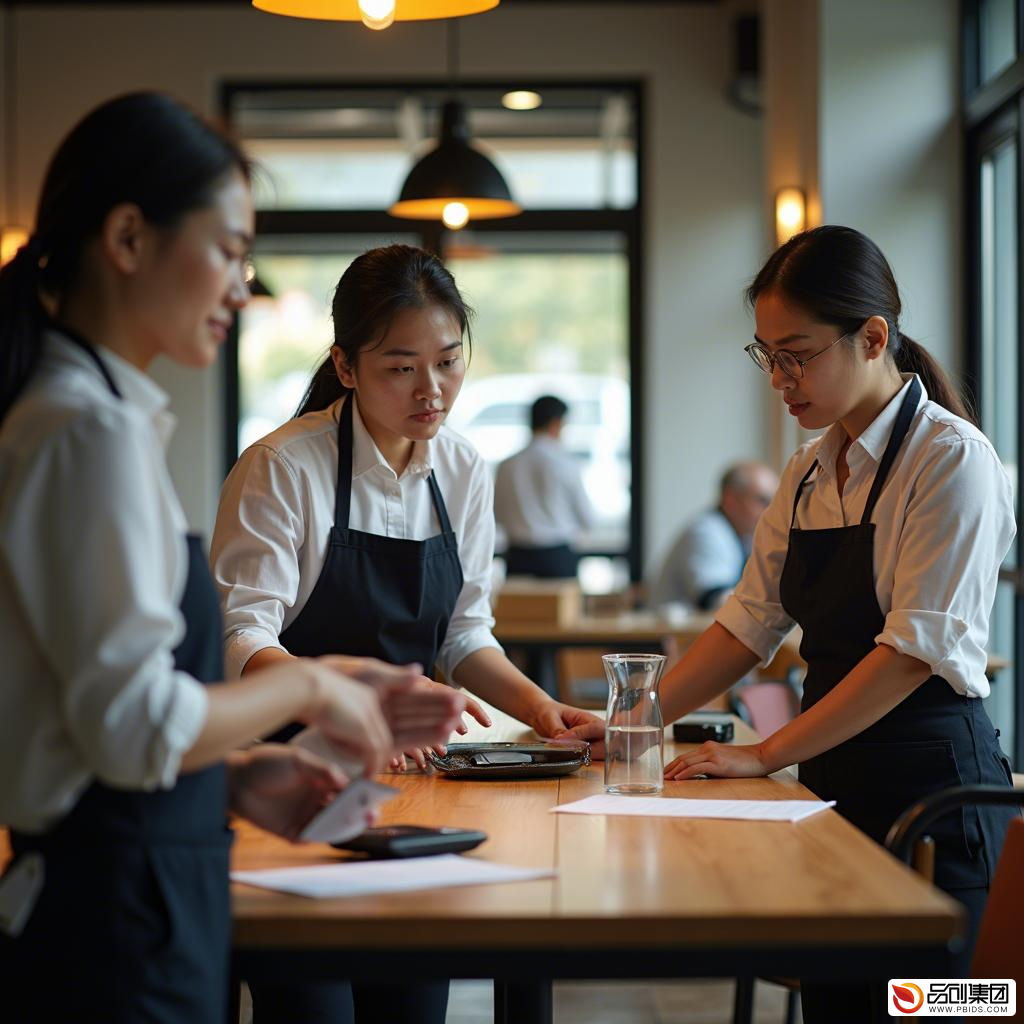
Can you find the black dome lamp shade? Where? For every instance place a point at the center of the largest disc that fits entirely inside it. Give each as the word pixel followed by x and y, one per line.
pixel 455 182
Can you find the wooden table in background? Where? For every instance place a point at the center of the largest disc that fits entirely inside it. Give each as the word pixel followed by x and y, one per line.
pixel 633 897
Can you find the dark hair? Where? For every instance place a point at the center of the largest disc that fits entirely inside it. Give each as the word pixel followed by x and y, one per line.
pixel 143 148
pixel 376 287
pixel 840 277
pixel 545 411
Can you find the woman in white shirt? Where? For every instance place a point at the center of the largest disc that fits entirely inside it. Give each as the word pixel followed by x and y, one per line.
pixel 365 527
pixel 883 543
pixel 117 756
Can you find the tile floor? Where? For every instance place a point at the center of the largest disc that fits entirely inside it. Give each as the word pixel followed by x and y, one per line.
pixel 695 1002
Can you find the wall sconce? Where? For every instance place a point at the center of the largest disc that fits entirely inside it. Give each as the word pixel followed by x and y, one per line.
pixel 790 213
pixel 12 238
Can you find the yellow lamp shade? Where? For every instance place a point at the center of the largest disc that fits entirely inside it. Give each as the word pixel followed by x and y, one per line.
pixel 349 10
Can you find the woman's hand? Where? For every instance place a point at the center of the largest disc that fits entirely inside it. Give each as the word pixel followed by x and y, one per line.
pixel 559 721
pixel 721 760
pixel 350 714
pixel 424 715
pixel 280 788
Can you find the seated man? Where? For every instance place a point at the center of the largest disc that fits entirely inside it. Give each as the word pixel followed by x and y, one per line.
pixel 707 559
pixel 539 499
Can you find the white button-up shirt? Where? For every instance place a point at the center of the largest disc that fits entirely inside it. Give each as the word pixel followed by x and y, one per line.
pixel 94 562
pixel 539 499
pixel 277 509
pixel 943 524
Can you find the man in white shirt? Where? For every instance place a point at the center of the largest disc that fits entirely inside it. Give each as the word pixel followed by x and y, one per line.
pixel 707 559
pixel 539 499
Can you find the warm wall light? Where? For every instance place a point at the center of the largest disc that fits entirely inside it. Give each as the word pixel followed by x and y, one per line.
pixel 375 13
pixel 790 213
pixel 521 99
pixel 12 238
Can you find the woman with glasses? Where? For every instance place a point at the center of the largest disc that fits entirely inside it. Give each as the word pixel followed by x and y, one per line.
pixel 883 543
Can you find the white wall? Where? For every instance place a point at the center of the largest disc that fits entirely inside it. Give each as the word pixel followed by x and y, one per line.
pixel 703 181
pixel 890 150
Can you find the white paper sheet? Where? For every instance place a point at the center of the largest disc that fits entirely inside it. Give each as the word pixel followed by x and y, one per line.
pixel 676 807
pixel 362 878
pixel 345 816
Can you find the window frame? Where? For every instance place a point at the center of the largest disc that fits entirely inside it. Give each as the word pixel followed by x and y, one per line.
pixel 628 222
pixel 993 113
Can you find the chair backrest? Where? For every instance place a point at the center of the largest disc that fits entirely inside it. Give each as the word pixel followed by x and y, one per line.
pixel 999 951
pixel 769 706
pixel 581 677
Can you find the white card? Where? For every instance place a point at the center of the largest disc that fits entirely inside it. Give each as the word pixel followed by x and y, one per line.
pixel 345 816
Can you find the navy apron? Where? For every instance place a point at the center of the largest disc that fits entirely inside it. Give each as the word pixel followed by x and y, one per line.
pixel 377 597
pixel 932 740
pixel 133 925
pixel 387 598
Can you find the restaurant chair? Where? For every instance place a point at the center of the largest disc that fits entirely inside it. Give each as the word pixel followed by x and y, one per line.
pixel 766 707
pixel 998 952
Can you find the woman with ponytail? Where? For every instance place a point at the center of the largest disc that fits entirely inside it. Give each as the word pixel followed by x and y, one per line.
pixel 365 527
pixel 118 758
pixel 883 543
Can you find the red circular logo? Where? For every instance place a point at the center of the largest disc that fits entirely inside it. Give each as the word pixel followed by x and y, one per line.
pixel 908 992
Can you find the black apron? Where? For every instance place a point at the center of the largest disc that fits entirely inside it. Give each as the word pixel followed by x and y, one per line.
pixel 380 597
pixel 133 923
pixel 933 739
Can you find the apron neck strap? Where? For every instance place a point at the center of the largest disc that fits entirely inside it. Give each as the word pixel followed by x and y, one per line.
pixel 90 350
pixel 899 431
pixel 343 492
pixel 799 491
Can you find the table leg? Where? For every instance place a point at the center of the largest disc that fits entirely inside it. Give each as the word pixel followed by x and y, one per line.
pixel 522 1002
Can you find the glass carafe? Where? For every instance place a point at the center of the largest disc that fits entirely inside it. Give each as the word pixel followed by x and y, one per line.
pixel 634 734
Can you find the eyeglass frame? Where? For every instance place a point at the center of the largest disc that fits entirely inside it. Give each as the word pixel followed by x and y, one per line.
pixel 772 357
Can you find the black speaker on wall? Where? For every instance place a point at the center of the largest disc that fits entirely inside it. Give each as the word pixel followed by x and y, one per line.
pixel 744 89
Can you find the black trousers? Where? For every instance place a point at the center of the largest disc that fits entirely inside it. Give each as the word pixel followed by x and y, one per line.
pixel 344 1003
pixel 557 562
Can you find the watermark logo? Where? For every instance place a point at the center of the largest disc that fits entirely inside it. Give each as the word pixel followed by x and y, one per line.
pixel 950 997
pixel 907 998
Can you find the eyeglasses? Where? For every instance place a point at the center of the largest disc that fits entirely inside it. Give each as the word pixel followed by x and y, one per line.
pixel 790 364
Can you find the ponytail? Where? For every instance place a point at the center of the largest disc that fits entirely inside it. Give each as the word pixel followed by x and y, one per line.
pixel 21 323
pixel 324 389
pixel 911 357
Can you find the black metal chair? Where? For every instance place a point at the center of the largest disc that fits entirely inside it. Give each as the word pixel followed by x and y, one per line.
pixel 907 840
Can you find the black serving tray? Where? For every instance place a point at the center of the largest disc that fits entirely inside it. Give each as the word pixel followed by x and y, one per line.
pixel 511 760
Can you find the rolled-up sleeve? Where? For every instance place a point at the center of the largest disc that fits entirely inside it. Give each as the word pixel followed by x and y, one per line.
pixel 958 527
pixel 255 553
pixel 471 626
pixel 95 556
pixel 753 613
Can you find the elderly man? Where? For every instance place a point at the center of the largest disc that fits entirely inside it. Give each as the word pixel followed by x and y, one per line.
pixel 707 559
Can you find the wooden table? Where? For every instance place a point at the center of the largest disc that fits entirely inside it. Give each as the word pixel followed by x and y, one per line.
pixel 633 897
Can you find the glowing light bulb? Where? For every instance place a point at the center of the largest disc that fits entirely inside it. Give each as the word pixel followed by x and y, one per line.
pixel 455 215
pixel 521 99
pixel 790 213
pixel 12 238
pixel 377 14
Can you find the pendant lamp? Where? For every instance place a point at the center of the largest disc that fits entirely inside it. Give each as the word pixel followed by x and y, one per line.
pixel 376 14
pixel 12 236
pixel 454 183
